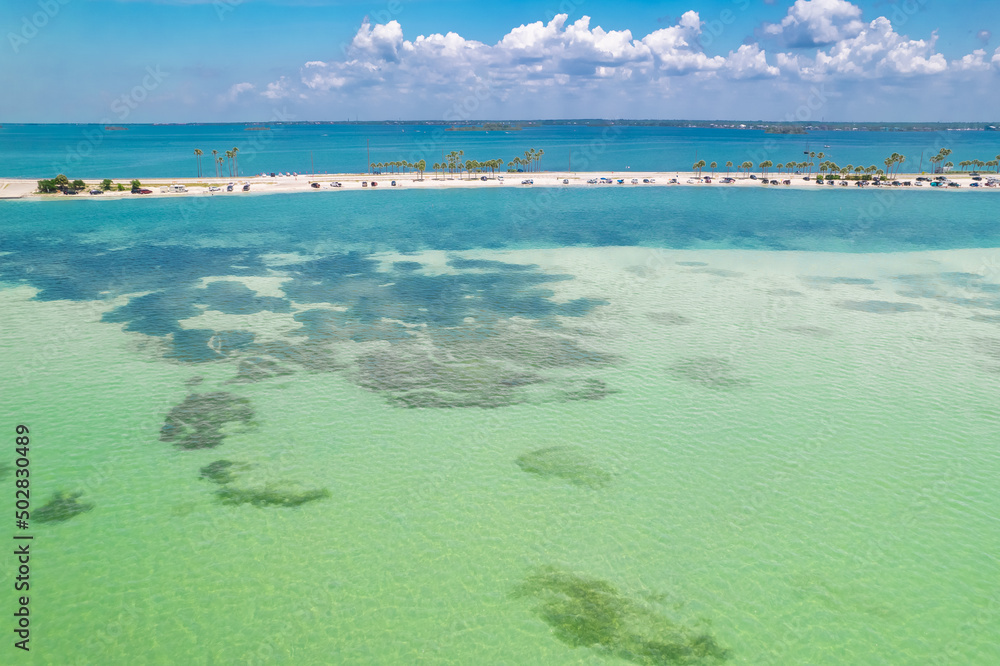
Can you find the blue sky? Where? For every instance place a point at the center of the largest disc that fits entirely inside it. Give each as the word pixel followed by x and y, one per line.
pixel 241 60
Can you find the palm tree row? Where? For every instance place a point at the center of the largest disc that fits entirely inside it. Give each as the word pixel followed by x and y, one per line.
pixel 979 164
pixel 469 166
pixel 219 162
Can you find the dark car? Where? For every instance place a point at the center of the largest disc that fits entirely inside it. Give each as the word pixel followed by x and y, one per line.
pixel 482 178
pixel 977 178
pixel 374 184
pixel 246 188
pixel 96 192
pixel 314 185
pixel 753 177
pixel 392 184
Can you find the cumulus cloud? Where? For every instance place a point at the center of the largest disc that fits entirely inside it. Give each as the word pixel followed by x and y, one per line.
pixel 877 51
pixel 556 53
pixel 278 89
pixel 235 91
pixel 975 61
pixel 817 23
pixel 568 63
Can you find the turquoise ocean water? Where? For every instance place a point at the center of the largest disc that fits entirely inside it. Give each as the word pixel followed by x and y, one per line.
pixel 166 151
pixel 670 426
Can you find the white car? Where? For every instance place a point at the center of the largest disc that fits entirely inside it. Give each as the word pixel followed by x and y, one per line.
pixel 213 188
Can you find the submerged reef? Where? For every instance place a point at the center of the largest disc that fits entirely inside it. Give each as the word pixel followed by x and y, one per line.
pixel 269 495
pixel 61 508
pixel 880 307
pixel 257 369
pixel 710 371
pixel 198 422
pixel 591 613
pixel 221 471
pixel 237 489
pixel 564 463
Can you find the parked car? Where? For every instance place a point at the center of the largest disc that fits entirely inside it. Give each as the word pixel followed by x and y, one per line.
pixel 374 184
pixel 229 187
pixel 246 187
pixel 213 188
pixel 364 183
pixel 336 184
pixel 96 192
pixel 753 177
pixel 592 181
pixel 316 185
pixel 483 178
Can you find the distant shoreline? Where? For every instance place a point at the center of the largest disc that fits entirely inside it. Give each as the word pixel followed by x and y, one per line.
pixel 199 187
pixel 749 125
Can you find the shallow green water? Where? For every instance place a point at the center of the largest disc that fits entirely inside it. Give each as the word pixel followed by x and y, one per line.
pixel 571 455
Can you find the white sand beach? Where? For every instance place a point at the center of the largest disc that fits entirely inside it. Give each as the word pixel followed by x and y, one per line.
pixel 20 188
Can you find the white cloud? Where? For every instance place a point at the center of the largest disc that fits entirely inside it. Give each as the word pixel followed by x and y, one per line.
pixel 817 23
pixel 749 62
pixel 235 91
pixel 974 61
pixel 877 51
pixel 277 89
pixel 529 56
pixel 575 68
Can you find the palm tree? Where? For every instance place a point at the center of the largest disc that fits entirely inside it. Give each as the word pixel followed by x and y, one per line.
pixel 197 157
pixel 236 166
pixel 714 166
pixel 729 165
pixel 764 166
pixel 747 166
pixel 229 156
pixel 698 166
pixel 421 166
pixel 218 165
pixel 215 158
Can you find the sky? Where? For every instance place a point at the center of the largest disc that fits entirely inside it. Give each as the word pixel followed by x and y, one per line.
pixel 136 61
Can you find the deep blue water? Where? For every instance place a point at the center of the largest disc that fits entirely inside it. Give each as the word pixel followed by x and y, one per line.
pixel 167 151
